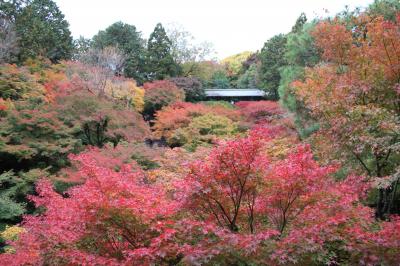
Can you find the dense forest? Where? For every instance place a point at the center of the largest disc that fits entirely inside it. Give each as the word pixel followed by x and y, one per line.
pixel 110 153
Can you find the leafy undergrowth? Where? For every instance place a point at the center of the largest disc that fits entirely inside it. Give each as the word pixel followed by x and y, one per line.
pixel 234 203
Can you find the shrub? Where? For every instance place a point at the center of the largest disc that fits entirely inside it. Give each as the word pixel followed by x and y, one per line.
pixel 178 116
pixel 233 206
pixel 97 120
pixel 14 189
pixel 203 130
pixel 192 87
pixel 160 93
pixel 260 111
pixel 224 104
pixel 18 84
pixel 113 218
pixel 127 92
pixel 32 135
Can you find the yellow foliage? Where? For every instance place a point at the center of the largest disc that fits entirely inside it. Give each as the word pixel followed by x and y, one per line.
pixel 278 148
pixel 138 99
pixel 126 91
pixel 12 232
pixel 18 83
pixel 38 64
pixel 52 75
pixel 233 63
pixel 203 70
pixel 203 130
pixel 174 166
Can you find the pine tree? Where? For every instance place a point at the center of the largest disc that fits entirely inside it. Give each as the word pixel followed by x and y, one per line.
pixel 160 63
pixel 301 20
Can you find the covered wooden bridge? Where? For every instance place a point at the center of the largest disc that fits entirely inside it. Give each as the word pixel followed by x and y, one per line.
pixel 235 94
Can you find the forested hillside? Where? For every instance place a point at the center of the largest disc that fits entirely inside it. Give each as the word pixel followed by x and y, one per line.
pixel 111 153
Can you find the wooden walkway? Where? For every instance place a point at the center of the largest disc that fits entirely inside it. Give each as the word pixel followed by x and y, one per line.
pixel 235 93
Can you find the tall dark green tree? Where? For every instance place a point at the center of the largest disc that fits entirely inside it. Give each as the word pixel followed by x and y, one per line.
pixel 9 9
pixel 301 20
pixel 300 53
pixel 272 57
pixel 127 39
pixel 43 31
pixel 160 62
pixel 220 80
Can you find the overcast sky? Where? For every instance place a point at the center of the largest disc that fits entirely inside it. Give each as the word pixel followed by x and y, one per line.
pixel 232 26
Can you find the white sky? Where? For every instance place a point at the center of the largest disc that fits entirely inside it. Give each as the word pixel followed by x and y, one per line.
pixel 232 26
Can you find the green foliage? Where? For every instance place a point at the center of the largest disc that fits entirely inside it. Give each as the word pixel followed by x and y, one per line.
pixel 9 208
pixel 224 104
pixel 373 126
pixel 33 136
pixel 233 67
pixel 272 59
pixel 17 83
pixel 14 189
pixel 203 130
pixel 210 124
pixel 305 125
pixel 10 9
pixel 82 45
pixel 43 31
pixel 300 53
pixel 220 80
pixel 203 70
pixel 192 87
pixel 233 64
pixel 386 8
pixel 45 117
pixel 126 38
pixel 300 47
pixel 289 74
pixel 254 58
pixel 250 79
pixel 298 26
pixel 96 121
pixel 95 132
pixel 145 162
pixel 160 62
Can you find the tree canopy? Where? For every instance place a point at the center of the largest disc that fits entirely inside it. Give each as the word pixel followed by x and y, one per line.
pixel 126 38
pixel 160 61
pixel 43 31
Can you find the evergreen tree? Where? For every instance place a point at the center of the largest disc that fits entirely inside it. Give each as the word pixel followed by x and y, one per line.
pixel 300 53
pixel 160 62
pixel 11 8
pixel 43 31
pixel 272 59
pixel 250 78
pixel 220 80
pixel 127 39
pixel 301 20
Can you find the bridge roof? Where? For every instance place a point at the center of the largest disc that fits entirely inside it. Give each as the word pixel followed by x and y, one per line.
pixel 234 93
